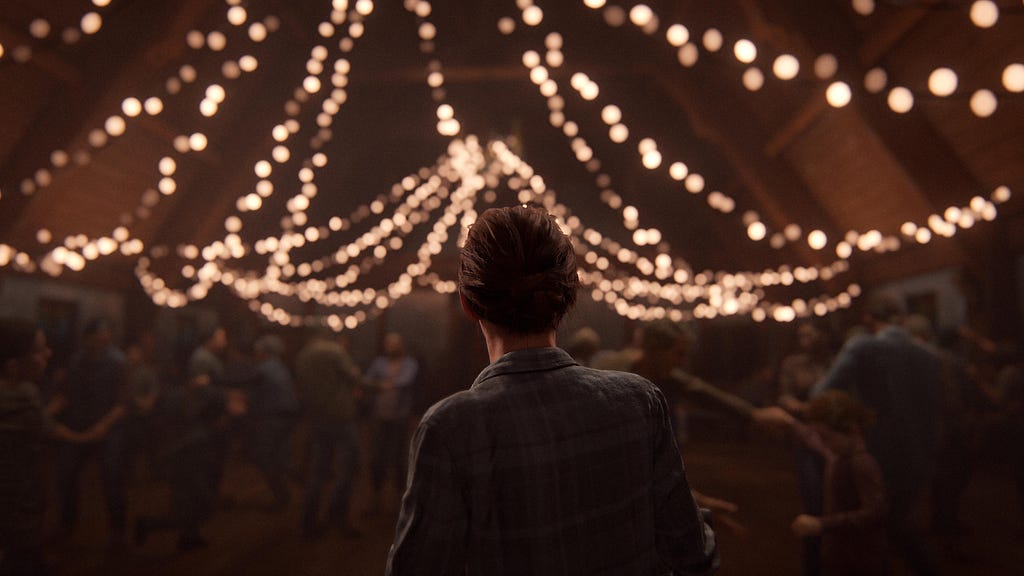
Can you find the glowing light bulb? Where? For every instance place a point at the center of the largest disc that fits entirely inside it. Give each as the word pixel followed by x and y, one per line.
pixel 786 67
pixel 942 82
pixel 983 103
pixel 984 13
pixel 745 51
pixel 901 100
pixel 838 94
pixel 817 239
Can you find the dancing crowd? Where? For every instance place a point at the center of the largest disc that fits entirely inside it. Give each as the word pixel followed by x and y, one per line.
pixel 892 415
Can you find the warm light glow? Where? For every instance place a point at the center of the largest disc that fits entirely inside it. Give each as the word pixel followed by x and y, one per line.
pixel 901 100
pixel 756 231
pixel 153 106
pixel 844 250
pixel 595 4
pixel 131 107
pixel 215 92
pixel 618 133
pixel 1013 78
pixel 115 126
pixel 216 41
pixel 257 32
pixel 506 25
pixel 694 183
pixel 753 79
pixel 817 239
pixel 364 7
pixel 712 40
pixel 984 13
pixel 651 159
pixel 641 15
pixel 838 94
pixel 611 114
pixel 237 15
pixel 942 82
pixel 786 67
pixel 678 171
pixel 825 66
pixel 195 39
pixel 875 80
pixel 1001 195
pixel 677 35
pixel 533 15
pixel 197 142
pixel 167 166
pixel 39 28
pixel 91 23
pixel 984 103
pixel 863 7
pixel 688 55
pixel 745 51
pixel 208 108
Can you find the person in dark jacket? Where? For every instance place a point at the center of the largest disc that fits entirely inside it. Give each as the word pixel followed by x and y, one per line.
pixel 543 466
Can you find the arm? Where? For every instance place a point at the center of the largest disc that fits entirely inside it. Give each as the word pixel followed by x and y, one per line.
pixel 810 438
pixel 685 542
pixel 432 525
pixel 844 373
pixel 695 387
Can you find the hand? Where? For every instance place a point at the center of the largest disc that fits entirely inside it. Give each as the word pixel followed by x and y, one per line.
pixel 806 525
pixel 237 404
pixel 714 504
pixel 791 404
pixel 95 433
pixel 723 510
pixel 772 416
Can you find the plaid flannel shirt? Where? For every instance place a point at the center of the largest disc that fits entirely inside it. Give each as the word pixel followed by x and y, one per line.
pixel 547 467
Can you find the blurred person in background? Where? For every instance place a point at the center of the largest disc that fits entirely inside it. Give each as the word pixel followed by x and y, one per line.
pixel 900 381
pixel 25 426
pixel 96 393
pixel 273 409
pixel 328 383
pixel 391 377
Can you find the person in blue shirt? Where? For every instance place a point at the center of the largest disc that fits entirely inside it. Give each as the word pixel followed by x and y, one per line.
pixel 899 380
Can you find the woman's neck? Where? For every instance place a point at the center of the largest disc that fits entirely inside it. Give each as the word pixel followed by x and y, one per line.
pixel 501 342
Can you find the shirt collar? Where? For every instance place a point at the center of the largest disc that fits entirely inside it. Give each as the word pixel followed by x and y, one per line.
pixel 526 360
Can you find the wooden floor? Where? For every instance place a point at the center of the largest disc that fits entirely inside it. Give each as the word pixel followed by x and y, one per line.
pixel 248 538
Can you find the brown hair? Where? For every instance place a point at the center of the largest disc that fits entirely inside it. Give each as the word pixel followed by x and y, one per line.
pixel 518 270
pixel 838 410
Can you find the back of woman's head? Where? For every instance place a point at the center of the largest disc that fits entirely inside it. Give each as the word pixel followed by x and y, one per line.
pixel 838 410
pixel 518 270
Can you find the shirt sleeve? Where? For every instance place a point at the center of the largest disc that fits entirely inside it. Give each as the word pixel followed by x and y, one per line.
pixel 845 371
pixel 685 542
pixel 432 526
pixel 696 388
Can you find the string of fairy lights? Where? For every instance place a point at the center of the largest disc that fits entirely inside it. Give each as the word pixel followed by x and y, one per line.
pixel 640 278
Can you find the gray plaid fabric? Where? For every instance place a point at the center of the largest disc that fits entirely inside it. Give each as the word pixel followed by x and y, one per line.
pixel 547 467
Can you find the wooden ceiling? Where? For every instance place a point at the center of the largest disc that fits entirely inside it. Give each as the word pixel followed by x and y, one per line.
pixel 781 151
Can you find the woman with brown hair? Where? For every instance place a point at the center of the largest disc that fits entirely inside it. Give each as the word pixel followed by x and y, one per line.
pixel 543 466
